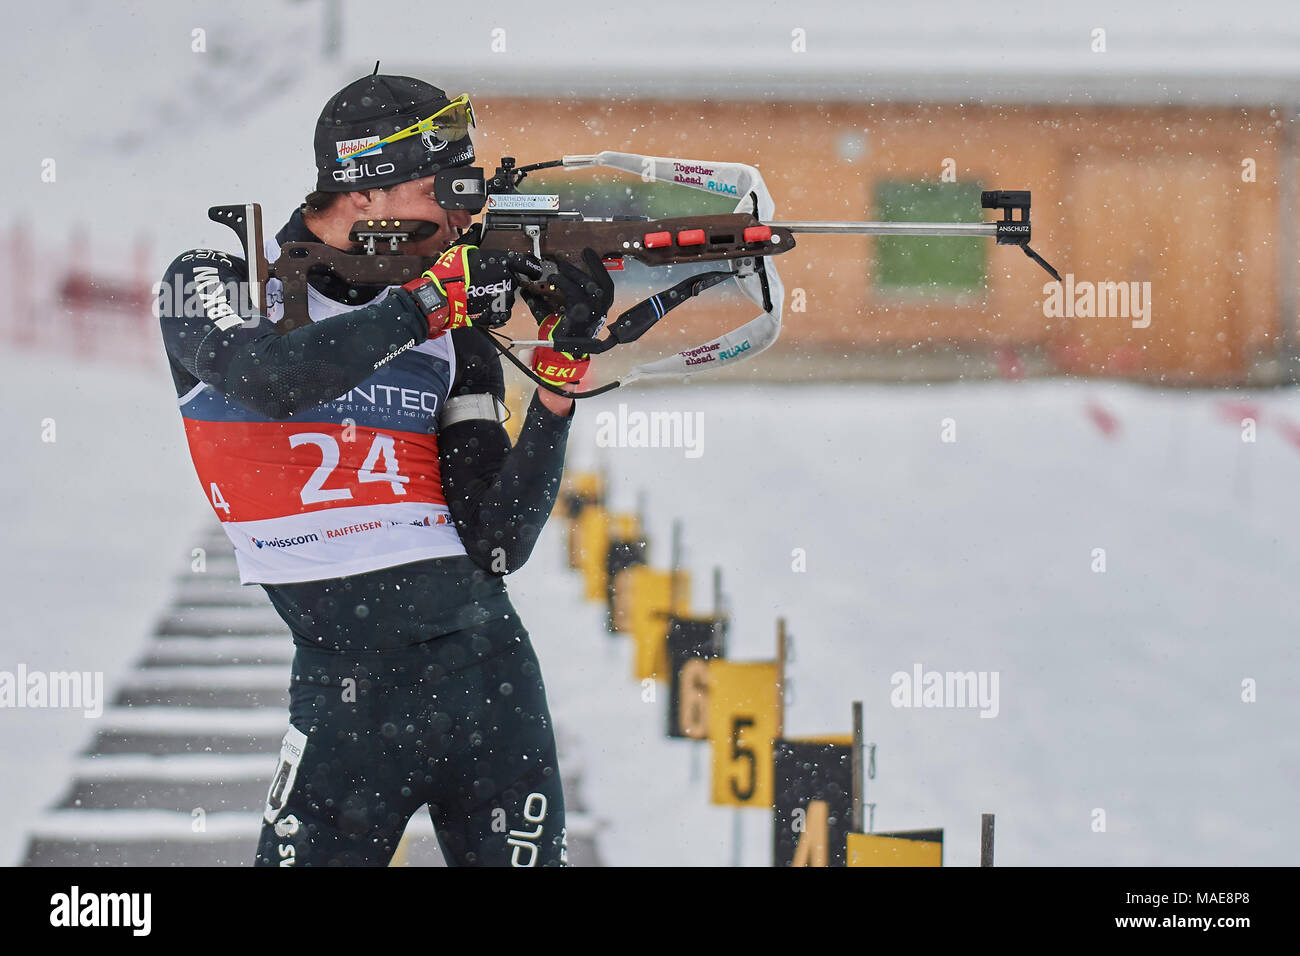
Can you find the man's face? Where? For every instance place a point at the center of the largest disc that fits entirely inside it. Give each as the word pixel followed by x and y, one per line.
pixel 414 200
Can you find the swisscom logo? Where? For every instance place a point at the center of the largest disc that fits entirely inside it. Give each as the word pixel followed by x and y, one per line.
pixel 284 542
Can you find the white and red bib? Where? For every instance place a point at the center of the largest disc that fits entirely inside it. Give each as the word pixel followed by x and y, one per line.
pixel 350 486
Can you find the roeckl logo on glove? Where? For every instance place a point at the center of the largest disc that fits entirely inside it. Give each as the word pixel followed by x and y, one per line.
pixel 505 285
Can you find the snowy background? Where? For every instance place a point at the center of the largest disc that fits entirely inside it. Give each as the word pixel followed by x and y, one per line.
pixel 1119 690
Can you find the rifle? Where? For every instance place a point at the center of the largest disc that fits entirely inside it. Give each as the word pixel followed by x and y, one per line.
pixel 743 242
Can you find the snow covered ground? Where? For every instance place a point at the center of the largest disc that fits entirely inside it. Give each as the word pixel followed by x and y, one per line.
pixel 1118 690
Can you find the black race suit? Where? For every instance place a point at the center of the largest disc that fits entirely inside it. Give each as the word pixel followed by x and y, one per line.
pixel 414 684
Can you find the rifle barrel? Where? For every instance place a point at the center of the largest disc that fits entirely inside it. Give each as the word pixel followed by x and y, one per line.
pixel 981 229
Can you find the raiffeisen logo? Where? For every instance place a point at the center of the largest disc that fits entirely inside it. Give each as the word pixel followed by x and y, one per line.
pixel 285 542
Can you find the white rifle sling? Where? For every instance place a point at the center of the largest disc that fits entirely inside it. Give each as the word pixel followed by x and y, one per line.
pixel 465 408
pixel 733 179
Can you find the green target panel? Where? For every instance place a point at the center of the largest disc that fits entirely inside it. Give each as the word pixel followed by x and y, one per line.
pixel 942 266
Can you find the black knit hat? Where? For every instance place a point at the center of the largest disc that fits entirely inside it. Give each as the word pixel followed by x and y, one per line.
pixel 366 111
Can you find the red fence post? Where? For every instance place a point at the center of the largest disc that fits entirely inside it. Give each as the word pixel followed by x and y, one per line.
pixel 142 316
pixel 20 277
pixel 77 271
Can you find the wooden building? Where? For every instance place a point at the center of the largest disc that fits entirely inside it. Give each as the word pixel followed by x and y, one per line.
pixel 1166 162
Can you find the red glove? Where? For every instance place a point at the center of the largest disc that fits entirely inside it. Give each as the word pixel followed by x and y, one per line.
pixel 467 285
pixel 557 368
pixel 587 298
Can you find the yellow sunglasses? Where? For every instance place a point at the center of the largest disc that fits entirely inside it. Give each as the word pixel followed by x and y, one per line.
pixel 450 123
